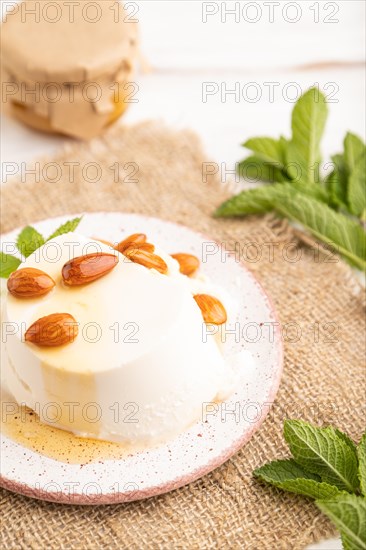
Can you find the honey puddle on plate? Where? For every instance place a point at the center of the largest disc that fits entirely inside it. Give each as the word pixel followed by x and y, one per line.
pixel 23 426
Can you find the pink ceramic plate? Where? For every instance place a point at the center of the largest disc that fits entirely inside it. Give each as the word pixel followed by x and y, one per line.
pixel 213 439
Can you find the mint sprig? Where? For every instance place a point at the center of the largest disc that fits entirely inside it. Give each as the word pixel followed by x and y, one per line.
pixel 356 191
pixel 290 476
pixel 292 167
pixel 29 240
pixel 323 452
pixel 361 453
pixel 342 233
pixel 8 264
pixel 336 184
pixel 308 122
pixel 328 467
pixel 348 513
pixel 269 150
pixel 254 168
pixel 67 227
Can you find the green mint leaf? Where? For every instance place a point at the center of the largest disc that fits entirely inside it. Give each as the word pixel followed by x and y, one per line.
pixel 308 122
pixel 8 264
pixel 348 513
pixel 290 476
pixel 255 169
pixel 343 234
pixel 348 544
pixel 283 470
pixel 284 143
pixel 29 239
pixel 361 453
pixel 311 189
pixel 268 149
pixel 263 199
pixel 252 201
pixel 352 445
pixel 354 148
pixel 357 187
pixel 309 488
pixel 322 452
pixel 336 183
pixel 67 227
pixel 346 184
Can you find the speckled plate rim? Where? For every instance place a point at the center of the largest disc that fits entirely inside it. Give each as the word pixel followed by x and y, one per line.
pixel 168 482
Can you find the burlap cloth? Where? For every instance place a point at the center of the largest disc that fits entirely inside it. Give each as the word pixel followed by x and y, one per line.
pixel 323 381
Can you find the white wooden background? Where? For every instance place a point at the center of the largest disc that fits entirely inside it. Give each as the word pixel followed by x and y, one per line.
pixel 185 50
pixel 184 53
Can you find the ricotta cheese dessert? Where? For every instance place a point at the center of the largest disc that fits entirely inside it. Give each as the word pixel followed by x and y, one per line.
pixel 135 363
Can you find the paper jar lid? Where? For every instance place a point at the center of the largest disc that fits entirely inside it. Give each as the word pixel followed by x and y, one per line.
pixel 70 41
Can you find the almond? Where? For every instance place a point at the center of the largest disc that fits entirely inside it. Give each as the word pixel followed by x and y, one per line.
pixel 136 238
pixel 108 243
pixel 212 309
pixel 148 247
pixel 88 268
pixel 147 259
pixel 29 282
pixel 53 330
pixel 188 263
